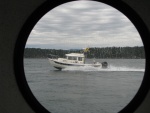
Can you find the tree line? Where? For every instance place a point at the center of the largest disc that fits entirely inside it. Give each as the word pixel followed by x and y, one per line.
pixel 95 52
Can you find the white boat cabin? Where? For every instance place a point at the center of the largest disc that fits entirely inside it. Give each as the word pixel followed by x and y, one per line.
pixel 78 58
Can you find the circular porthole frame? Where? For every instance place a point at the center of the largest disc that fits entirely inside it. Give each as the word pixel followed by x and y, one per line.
pixel 39 13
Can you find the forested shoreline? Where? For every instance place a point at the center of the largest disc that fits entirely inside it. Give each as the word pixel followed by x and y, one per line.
pixel 105 52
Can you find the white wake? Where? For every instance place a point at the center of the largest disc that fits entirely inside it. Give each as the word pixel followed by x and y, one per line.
pixel 110 68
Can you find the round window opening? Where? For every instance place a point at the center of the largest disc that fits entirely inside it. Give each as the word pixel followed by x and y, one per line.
pixel 84 57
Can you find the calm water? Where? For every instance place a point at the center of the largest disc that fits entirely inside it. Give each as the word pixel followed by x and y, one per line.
pixel 85 90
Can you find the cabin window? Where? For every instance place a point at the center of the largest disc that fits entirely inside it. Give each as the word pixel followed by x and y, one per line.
pixel 79 58
pixel 69 58
pixel 72 58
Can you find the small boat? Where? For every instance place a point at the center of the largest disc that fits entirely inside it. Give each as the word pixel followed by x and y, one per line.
pixel 73 59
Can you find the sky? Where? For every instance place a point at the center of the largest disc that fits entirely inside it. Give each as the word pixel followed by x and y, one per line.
pixel 80 24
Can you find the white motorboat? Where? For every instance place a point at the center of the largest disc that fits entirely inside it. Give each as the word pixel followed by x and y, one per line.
pixel 73 59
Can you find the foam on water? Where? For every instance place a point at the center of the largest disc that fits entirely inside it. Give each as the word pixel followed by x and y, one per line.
pixel 110 68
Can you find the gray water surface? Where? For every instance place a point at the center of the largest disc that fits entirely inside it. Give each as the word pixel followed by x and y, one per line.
pixel 85 90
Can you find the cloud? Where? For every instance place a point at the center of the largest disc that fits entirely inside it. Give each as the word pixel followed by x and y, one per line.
pixel 83 23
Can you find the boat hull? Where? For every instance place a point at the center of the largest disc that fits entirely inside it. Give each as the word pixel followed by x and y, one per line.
pixel 61 65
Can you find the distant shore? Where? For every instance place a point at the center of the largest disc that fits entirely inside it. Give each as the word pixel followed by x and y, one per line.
pixel 103 53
